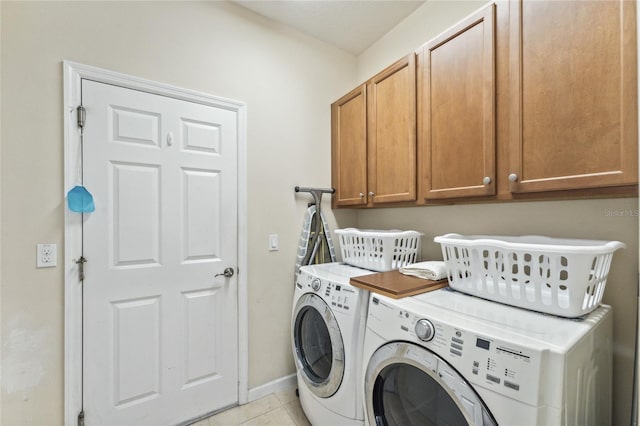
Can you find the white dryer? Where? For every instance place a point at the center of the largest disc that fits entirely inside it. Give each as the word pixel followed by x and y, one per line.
pixel 449 358
pixel 328 323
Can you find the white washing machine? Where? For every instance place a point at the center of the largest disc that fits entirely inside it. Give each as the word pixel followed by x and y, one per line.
pixel 449 358
pixel 328 324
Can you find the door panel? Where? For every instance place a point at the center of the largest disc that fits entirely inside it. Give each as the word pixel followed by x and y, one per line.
pixel 204 137
pixel 136 349
pixel 127 182
pixel 131 126
pixel 391 120
pixel 349 148
pixel 578 128
pixel 201 215
pixel 163 173
pixel 457 110
pixel 202 348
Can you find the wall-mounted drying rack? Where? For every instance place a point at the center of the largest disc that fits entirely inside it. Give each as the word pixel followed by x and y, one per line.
pixel 317 199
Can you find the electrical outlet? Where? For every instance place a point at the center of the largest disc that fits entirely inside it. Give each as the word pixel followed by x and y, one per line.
pixel 46 255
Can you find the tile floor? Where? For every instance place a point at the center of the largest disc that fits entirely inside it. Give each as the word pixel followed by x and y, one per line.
pixel 278 409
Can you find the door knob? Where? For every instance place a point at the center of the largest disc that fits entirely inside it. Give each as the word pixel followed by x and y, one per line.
pixel 228 272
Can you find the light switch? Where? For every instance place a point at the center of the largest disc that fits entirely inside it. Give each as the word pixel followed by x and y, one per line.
pixel 273 242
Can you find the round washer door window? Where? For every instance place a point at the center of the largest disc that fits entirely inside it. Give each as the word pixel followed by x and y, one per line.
pixel 318 345
pixel 409 385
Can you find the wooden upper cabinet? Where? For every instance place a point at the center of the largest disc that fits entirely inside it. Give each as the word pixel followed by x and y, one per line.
pixel 573 95
pixel 391 113
pixel 456 112
pixel 349 148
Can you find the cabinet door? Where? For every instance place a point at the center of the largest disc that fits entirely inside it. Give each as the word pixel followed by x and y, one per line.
pixel 573 120
pixel 457 110
pixel 349 148
pixel 391 106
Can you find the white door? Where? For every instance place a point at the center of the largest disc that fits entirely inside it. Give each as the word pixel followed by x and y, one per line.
pixel 160 333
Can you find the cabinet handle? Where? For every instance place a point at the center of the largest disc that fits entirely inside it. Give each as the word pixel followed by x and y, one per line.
pixel 486 180
pixel 513 177
pixel 362 195
pixel 371 194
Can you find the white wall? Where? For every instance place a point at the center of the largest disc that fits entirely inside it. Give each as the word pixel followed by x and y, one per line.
pixel 607 219
pixel 288 81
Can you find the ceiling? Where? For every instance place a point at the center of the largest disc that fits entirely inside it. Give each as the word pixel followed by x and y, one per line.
pixel 351 25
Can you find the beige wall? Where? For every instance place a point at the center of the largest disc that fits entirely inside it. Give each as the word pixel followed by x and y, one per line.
pixel 608 219
pixel 286 79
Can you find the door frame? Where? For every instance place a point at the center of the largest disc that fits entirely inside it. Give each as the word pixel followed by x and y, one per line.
pixel 73 73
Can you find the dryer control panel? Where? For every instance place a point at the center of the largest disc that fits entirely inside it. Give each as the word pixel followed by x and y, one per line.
pixel 483 359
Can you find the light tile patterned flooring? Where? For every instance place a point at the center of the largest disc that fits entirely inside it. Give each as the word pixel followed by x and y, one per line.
pixel 277 409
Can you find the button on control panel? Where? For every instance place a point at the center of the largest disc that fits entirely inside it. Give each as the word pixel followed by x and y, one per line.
pixel 493 378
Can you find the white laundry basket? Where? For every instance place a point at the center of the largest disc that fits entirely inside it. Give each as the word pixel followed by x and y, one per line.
pixel 564 277
pixel 379 250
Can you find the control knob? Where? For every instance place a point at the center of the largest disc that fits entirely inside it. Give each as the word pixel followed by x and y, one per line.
pixel 315 284
pixel 425 330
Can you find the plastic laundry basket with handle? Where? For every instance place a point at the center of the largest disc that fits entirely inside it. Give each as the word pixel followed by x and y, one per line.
pixel 564 277
pixel 379 250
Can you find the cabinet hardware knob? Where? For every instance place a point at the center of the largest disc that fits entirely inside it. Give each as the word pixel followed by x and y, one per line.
pixel 513 177
pixel 362 195
pixel 371 194
pixel 486 180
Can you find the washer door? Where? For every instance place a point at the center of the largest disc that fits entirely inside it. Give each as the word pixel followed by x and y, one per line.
pixel 407 384
pixel 318 345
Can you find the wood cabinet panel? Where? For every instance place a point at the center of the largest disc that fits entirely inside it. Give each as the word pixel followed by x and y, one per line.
pixel 457 110
pixel 349 148
pixel 573 95
pixel 391 109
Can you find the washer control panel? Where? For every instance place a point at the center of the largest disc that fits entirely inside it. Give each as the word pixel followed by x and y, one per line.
pixel 504 367
pixel 339 296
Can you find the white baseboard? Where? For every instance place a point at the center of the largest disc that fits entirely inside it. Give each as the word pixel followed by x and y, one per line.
pixel 282 384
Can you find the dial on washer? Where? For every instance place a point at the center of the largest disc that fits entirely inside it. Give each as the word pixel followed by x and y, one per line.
pixel 315 284
pixel 425 330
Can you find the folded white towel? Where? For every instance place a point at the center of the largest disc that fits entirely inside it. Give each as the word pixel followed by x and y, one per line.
pixel 432 270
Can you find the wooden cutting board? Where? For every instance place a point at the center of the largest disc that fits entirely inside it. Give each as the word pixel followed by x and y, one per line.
pixel 396 285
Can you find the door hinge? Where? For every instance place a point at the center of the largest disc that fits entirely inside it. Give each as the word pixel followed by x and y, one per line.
pixel 80 262
pixel 82 116
pixel 81 418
